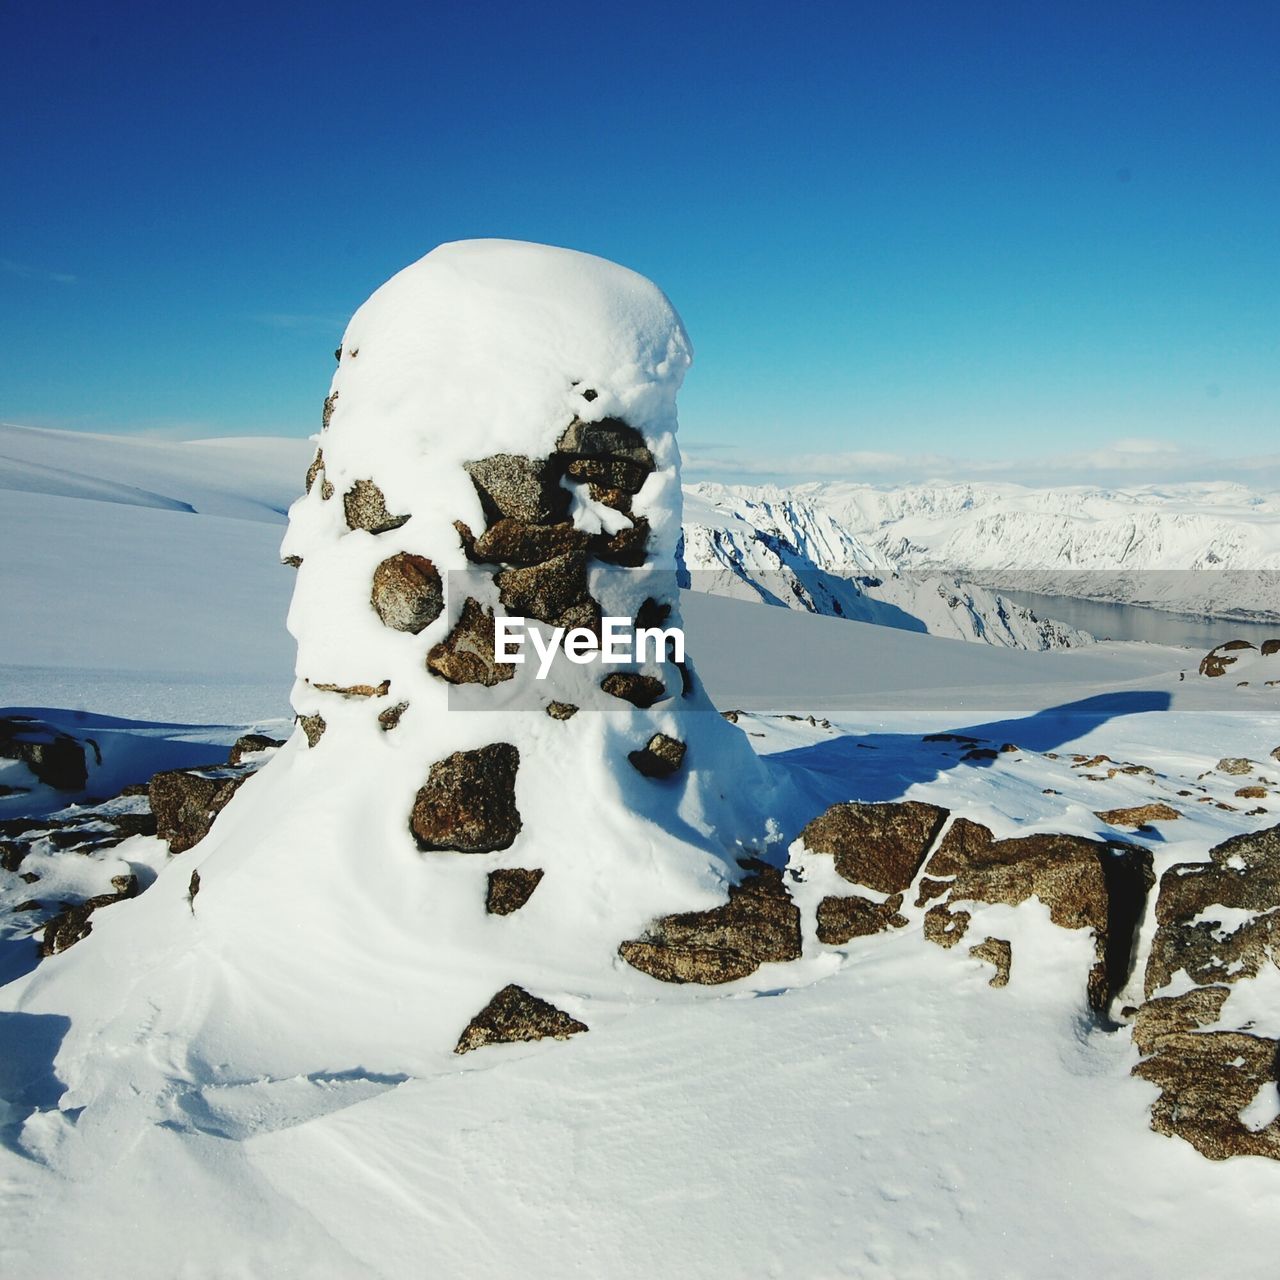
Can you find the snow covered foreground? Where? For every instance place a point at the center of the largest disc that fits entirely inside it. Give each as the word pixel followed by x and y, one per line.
pixel 260 1080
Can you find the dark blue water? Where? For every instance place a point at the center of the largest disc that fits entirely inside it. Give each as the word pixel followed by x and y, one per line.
pixel 1109 621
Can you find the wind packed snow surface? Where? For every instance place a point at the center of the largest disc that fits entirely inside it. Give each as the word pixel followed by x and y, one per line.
pixel 256 1075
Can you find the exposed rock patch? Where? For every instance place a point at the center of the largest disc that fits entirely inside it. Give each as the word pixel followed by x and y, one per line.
pixel 365 507
pixel 73 924
pixel 881 846
pixel 468 804
pixel 407 592
pixel 251 744
pixel 1218 660
pixel 510 888
pixel 548 591
pixel 608 453
pixel 640 690
pixel 944 926
pixel 1139 815
pixel 660 757
pixel 1084 883
pixel 516 543
pixel 513 1015
pixel 355 690
pixel 998 952
pixel 561 710
pixel 313 728
pixel 758 925
pixel 55 758
pixel 186 801
pixel 518 488
pixel 841 919
pixel 467 655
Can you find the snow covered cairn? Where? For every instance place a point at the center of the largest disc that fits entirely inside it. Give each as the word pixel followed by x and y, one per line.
pixel 499 437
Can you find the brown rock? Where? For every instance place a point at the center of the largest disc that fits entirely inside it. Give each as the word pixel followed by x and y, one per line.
pixel 759 924
pixel 366 508
pixel 640 690
pixel 1270 647
pixel 326 414
pixel 293 562
pixel 1252 793
pixel 467 654
pixel 1084 883
pixel 608 453
pixel 1138 815
pixel 546 591
pixel 390 718
pixel 561 710
pixel 313 727
pixel 468 804
pixel 72 924
pixel 315 469
pixel 627 548
pixel 1206 1079
pixel 1242 874
pixel 841 919
pixel 55 758
pixel 1234 765
pixel 517 543
pixel 407 592
pixel 250 744
pixel 928 889
pixel 965 842
pixel 660 757
pixel 510 888
pixel 185 803
pixel 1170 1015
pixel 944 926
pixel 519 488
pixel 1216 661
pixel 355 690
pixel 998 952
pixel 877 845
pixel 513 1014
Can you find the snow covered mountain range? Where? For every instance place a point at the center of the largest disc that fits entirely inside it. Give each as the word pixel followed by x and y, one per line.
pixel 1211 548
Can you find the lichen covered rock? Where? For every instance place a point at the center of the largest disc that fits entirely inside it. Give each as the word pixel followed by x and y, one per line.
pixel 468 804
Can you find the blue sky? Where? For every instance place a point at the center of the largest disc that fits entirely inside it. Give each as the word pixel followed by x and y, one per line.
pixel 903 236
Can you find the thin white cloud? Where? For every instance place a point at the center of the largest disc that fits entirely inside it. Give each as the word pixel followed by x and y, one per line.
pixel 1126 462
pixel 24 272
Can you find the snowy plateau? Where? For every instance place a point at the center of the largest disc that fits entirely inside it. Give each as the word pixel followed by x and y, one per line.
pixel 899 932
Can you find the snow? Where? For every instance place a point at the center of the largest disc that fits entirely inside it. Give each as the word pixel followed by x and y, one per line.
pixel 262 1082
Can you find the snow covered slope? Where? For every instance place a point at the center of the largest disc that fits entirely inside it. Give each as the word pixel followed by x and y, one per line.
pixel 788 550
pixel 1201 548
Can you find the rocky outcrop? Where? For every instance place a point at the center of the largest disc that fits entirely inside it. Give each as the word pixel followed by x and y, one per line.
pixel 840 919
pixel 1086 884
pixel 1219 660
pixel 250 744
pixel 510 888
pixel 1217 925
pixel 514 542
pixel 186 801
pixel 468 804
pixel 1138 815
pixel 1219 921
pixel 758 925
pixel 881 846
pixel 554 591
pixel 1206 1079
pixel 313 727
pixel 73 923
pixel 55 758
pixel 513 1015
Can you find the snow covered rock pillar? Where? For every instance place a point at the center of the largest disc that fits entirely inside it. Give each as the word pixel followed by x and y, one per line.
pixel 499 439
